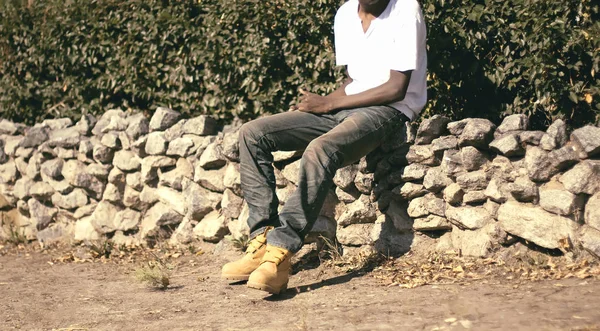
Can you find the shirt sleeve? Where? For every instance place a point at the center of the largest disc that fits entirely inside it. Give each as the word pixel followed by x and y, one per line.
pixel 341 41
pixel 407 36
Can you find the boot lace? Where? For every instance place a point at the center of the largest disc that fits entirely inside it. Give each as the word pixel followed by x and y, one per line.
pixel 275 255
pixel 255 244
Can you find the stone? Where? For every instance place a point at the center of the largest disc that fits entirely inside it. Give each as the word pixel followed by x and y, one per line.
pixel 324 227
pixel 120 239
pixel 86 210
pixel 200 201
pixel 40 214
pixel 492 208
pixel 11 143
pixel 111 140
pixel 139 146
pixel 22 188
pixel 589 238
pixel 555 199
pixel 103 217
pixel 52 168
pixel 138 125
pixel 468 217
pixel 435 205
pixel 280 180
pixel 508 145
pixel 127 219
pixel 592 211
pixel 436 180
pixel 148 196
pixel 555 137
pixel 588 139
pixel 212 158
pixel 174 177
pixel 456 128
pixel 409 190
pixel 477 132
pixel 131 198
pixel 523 190
pixel 285 156
pixel 474 197
pixel 451 163
pixel 115 123
pixel 127 161
pixel 473 181
pixel 535 224
pixel 102 153
pixel 85 124
pixel 364 182
pixel 431 128
pixel 84 230
pixel 34 137
pixel 359 211
pixel 65 153
pixel 230 146
pixel 86 148
pixel 55 233
pixel 175 131
pixel 93 186
pixel 163 118
pixel 24 152
pixel 386 240
pixel 112 193
pixel 21 166
pixel 453 194
pixel 212 228
pixel 398 214
pixel 201 126
pixel 422 154
pixel 116 176
pixel 346 197
pixel 100 171
pixel 9 128
pixel 583 178
pixel 383 169
pixel 496 192
pixel 151 163
pixel 77 198
pixel 156 217
pixel 56 123
pixel 231 178
pixel 531 137
pixel 184 234
pixel 8 172
pixel 231 205
pixel 355 234
pixel 344 177
pixel 443 143
pixel 210 179
pixel 291 171
pixel 172 198
pixel 418 207
pixel 411 172
pixel 180 147
pixel 515 122
pixel 400 138
pixel 284 193
pixel 65 138
pixel 156 144
pixel 34 166
pixel 431 223
pixel 41 191
pixel 478 243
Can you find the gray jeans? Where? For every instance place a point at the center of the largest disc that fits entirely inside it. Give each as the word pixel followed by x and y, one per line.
pixel 330 141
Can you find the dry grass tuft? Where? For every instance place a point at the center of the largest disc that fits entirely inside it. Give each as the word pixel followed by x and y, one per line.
pixel 156 274
pixel 240 243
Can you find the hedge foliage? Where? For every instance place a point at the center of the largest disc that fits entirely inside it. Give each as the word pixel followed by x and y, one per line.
pixel 242 58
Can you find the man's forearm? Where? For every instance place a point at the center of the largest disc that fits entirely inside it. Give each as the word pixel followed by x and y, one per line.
pixel 340 91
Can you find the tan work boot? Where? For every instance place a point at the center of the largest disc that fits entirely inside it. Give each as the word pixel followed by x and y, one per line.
pixel 273 273
pixel 241 269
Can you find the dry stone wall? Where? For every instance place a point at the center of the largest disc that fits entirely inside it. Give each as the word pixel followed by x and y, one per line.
pixel 472 186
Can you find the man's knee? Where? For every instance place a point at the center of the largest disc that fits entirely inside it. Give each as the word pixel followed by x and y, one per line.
pixel 322 150
pixel 250 131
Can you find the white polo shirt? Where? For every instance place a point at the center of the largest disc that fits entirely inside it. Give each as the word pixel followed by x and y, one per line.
pixel 395 40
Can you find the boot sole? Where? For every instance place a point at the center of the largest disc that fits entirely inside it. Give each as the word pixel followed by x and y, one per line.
pixel 267 288
pixel 236 278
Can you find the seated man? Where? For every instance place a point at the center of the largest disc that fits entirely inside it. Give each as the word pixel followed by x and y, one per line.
pixel 382 43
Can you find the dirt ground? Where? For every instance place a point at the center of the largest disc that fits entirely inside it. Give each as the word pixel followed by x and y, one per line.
pixel 39 292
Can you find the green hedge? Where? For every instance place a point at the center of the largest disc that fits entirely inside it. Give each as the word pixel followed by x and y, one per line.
pixel 242 58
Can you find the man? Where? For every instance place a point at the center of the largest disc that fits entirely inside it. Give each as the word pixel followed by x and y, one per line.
pixel 382 43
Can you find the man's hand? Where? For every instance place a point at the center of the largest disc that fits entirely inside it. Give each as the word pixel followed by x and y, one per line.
pixel 313 103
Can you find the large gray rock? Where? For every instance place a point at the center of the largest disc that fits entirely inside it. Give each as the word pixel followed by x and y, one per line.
pixel 115 123
pixel 184 234
pixel 60 232
pixel 127 161
pixel 531 137
pixel 98 170
pixel 22 188
pixel 411 172
pixel 210 179
pixel 436 180
pixel 474 197
pixel 103 217
pixel 85 124
pixel 34 166
pixel 478 243
pixel 291 171
pixel 496 191
pixel 431 223
pixel 172 198
pixel 418 207
pixel 423 154
pixel 583 178
pixel 41 215
pixel 453 194
pixel 93 186
pixel 566 156
pixel 451 163
pixel 364 182
pixel 556 199
pixel 397 213
pixel 175 131
pixel 409 190
pixel 230 147
pixel 477 132
pixel 180 147
pixel 431 128
pixel 10 128
pixel 473 181
pixel 535 224
pixel 555 136
pixel 11 143
pixel 507 145
pixel 66 138
pixel 386 240
pixel 344 177
pixel 174 177
pixel 539 165
pixel 355 234
pixel 468 217
pixel 156 144
pixel 200 201
pixel 111 140
pixel 86 210
pixel 102 153
pixel 77 198
pixel 52 168
pixel 456 128
pixel 113 193
pixel 201 126
pixel 156 217
pixel 8 172
pixel 359 211
pixel 127 219
pixel 443 143
pixel 150 165
pixel 588 138
pixel 231 205
pixel 589 238
pixel 231 178
pixel 42 191
pixel 212 157
pixel 34 137
pixel 212 228
pixel 163 118
pixel 592 211
pixel 84 230
pixel 131 198
pixel 515 122
pixel 138 126
pixel 523 190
